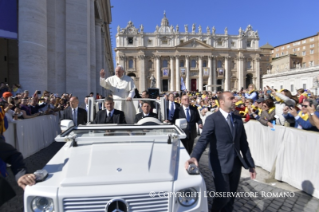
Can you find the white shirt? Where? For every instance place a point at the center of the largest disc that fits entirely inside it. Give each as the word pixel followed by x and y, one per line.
pixel 76 111
pixel 108 113
pixel 225 114
pixel 170 105
pixel 86 107
pixel 189 111
pixel 9 114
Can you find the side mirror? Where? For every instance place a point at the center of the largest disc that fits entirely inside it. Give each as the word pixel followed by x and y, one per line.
pixel 181 123
pixel 66 124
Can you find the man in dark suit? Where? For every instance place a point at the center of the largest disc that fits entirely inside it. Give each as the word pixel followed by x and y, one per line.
pixel 10 155
pixel 226 135
pixel 172 109
pixel 78 115
pixel 146 112
pixel 192 116
pixel 145 95
pixel 109 115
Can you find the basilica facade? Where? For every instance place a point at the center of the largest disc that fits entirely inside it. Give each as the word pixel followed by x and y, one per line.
pixel 172 60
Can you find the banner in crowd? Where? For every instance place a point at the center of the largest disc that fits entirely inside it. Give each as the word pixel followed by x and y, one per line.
pixel 206 71
pixel 8 19
pixel 183 87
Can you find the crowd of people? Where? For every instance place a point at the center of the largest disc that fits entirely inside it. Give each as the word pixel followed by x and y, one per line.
pixel 268 106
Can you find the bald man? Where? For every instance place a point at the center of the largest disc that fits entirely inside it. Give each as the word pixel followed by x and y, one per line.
pixel 78 115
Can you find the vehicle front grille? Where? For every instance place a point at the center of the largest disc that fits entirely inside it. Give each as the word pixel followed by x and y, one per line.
pixel 136 203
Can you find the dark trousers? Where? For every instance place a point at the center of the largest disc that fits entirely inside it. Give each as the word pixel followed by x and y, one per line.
pixel 226 183
pixel 189 142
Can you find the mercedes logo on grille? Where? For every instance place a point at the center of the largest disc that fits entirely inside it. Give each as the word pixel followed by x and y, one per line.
pixel 116 205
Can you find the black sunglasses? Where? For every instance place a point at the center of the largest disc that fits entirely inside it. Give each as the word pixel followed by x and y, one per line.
pixel 304 106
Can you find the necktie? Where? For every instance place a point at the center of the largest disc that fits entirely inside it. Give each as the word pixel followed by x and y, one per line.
pixel 74 117
pixel 187 115
pixel 171 111
pixel 108 116
pixel 230 124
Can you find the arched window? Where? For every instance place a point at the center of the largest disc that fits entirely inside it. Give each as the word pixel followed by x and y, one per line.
pixel 219 64
pixel 182 64
pixel 130 63
pixel 204 63
pixel 164 63
pixel 249 79
pixel 193 63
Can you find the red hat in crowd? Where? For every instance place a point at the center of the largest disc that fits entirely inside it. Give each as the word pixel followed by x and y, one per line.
pixel 6 94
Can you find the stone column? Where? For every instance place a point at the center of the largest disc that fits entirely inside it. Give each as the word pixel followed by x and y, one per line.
pixel 92 79
pixel 53 83
pixel 257 73
pixel 172 73
pixel 32 37
pixel 103 50
pixel 200 73
pixel 227 75
pixel 158 72
pixel 78 47
pixel 103 91
pixel 187 78
pixel 214 73
pixel 98 48
pixel 210 77
pixel 60 35
pixel 142 83
pixel 178 77
pixel 240 69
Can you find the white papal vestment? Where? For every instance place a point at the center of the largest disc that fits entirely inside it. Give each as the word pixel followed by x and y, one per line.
pixel 121 89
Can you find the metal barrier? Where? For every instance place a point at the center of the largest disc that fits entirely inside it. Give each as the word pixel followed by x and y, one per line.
pixel 29 136
pixel 290 152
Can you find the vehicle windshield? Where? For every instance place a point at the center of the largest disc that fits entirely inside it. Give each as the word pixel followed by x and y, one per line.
pixel 122 132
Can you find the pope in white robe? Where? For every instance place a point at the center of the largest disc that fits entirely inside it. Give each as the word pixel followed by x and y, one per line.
pixel 122 87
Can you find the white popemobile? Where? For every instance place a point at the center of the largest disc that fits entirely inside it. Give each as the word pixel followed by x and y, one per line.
pixel 119 168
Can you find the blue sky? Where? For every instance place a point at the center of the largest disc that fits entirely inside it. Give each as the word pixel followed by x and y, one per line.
pixel 277 21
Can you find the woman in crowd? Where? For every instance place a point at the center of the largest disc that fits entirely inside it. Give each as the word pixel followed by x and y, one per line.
pixel 252 93
pixel 302 95
pixel 267 115
pixel 244 109
pixel 16 88
pixel 204 95
pixel 300 119
pixel 22 114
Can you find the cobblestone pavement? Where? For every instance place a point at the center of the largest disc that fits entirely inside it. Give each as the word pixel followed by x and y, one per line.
pixel 259 202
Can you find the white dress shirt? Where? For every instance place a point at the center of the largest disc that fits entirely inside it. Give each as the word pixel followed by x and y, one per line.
pixel 146 114
pixel 225 114
pixel 108 113
pixel 170 105
pixel 189 111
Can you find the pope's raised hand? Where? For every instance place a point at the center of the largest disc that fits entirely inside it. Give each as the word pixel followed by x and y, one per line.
pixel 102 73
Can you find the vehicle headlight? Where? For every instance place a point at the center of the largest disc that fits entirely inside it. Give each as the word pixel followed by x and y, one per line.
pixel 187 197
pixel 42 204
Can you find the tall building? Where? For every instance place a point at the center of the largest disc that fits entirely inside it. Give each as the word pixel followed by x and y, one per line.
pixel 190 59
pixel 60 46
pixel 295 65
pixel 301 53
